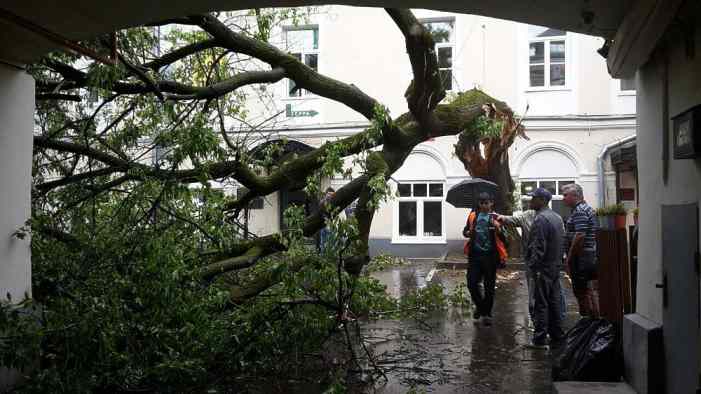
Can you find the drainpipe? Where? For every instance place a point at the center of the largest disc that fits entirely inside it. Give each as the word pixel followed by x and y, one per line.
pixel 600 163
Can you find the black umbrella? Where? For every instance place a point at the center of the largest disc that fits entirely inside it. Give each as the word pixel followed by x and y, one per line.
pixel 465 193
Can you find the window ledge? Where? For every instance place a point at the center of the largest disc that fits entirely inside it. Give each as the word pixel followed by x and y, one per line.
pixel 626 93
pixel 549 89
pixel 422 241
pixel 303 98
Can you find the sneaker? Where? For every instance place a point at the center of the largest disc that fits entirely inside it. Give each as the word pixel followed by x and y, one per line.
pixel 487 321
pixel 476 317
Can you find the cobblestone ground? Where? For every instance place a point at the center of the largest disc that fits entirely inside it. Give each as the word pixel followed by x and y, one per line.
pixel 448 353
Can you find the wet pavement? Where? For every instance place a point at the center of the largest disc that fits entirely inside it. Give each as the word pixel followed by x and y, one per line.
pixel 447 352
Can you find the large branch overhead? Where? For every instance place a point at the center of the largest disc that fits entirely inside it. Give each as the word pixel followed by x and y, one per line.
pixel 76 79
pixel 397 137
pixel 426 89
pixel 304 76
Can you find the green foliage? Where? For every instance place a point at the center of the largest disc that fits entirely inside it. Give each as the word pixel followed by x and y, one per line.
pixel 383 261
pixel 612 210
pixel 460 297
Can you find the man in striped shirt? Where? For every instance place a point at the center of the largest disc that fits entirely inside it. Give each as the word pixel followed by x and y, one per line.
pixel 580 246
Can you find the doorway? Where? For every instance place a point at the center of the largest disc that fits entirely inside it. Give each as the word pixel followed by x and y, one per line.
pixel 680 297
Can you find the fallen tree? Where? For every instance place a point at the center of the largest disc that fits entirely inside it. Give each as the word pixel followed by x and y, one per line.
pixel 118 149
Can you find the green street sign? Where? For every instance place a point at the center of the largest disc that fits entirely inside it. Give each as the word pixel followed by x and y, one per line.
pixel 299 114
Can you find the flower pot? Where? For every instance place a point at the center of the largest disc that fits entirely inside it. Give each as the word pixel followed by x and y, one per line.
pixel 604 222
pixel 619 222
pixel 635 219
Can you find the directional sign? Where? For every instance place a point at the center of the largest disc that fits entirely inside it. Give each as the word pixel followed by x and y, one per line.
pixel 299 114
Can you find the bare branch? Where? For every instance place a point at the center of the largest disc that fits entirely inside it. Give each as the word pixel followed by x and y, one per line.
pixel 58 96
pixel 304 76
pixel 426 90
pixel 145 78
pixel 46 186
pixel 231 84
pixel 181 53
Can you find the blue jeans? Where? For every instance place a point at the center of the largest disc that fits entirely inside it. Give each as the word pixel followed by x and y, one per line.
pixel 324 235
pixel 531 299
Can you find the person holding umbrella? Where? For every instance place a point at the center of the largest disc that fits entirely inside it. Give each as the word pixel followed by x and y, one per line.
pixel 486 251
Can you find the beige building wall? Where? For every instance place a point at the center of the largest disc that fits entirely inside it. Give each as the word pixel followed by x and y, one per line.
pixel 573 122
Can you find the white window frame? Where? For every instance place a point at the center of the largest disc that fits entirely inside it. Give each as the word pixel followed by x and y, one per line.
pixel 557 181
pixel 546 63
pixel 303 52
pixel 450 44
pixel 419 238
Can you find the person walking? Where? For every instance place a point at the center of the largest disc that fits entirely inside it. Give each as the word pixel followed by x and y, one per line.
pixel 543 258
pixel 524 219
pixel 486 251
pixel 580 246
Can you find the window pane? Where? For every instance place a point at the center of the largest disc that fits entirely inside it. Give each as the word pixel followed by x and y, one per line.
pixel 446 78
pixel 407 218
pixel 540 31
pixel 419 190
pixel 441 31
pixel 560 184
pixel 537 52
pixel 527 187
pixel 404 190
pixel 445 57
pixel 435 190
pixel 302 39
pixel 557 75
pixel 628 84
pixel 557 51
pixel 549 186
pixel 433 218
pixel 312 60
pixel 537 75
pixel 292 91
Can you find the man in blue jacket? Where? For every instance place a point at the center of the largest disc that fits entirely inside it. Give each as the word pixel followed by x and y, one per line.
pixel 544 257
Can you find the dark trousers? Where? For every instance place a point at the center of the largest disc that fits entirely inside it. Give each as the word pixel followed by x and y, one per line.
pixel 546 310
pixel 482 268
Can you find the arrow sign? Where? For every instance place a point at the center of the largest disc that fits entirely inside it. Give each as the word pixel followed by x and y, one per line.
pixel 299 114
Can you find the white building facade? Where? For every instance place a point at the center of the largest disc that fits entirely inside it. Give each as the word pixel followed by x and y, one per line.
pixel 573 111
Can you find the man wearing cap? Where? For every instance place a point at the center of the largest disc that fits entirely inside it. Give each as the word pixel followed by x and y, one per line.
pixel 543 257
pixel 524 219
pixel 486 251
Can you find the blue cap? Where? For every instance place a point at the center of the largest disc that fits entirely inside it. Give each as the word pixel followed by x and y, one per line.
pixel 542 193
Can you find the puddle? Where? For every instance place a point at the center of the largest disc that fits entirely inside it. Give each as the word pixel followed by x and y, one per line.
pixel 448 353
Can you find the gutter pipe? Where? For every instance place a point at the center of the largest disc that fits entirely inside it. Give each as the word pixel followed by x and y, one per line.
pixel 600 164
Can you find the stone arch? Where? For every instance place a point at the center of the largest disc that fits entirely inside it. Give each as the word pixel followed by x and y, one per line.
pixel 544 146
pixel 427 151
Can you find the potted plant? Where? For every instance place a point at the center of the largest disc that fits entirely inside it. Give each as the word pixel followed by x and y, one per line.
pixel 636 211
pixel 605 219
pixel 619 213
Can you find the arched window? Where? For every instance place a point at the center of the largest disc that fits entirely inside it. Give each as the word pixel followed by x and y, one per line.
pixel 550 169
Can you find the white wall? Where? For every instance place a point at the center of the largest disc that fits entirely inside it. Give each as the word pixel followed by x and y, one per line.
pixel 16 126
pixel 684 175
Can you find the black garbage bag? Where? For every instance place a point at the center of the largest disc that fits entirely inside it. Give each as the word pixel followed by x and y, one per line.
pixel 590 353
